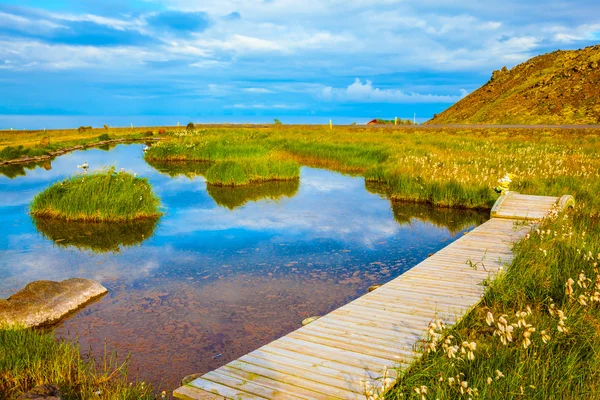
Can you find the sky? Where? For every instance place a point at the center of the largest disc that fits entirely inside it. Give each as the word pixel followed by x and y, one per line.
pixel 237 60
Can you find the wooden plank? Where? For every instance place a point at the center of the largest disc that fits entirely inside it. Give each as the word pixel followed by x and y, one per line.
pixel 366 348
pixel 222 377
pixel 287 385
pixel 372 329
pixel 306 370
pixel 192 393
pixel 226 392
pixel 367 362
pixel 345 370
pixel 357 315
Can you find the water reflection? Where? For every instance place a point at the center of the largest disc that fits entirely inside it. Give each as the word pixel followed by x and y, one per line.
pixel 97 237
pixel 405 213
pixel 227 196
pixel 180 168
pixel 234 197
pixel 14 170
pixel 223 271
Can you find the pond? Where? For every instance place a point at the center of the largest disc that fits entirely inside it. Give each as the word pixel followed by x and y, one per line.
pixel 225 270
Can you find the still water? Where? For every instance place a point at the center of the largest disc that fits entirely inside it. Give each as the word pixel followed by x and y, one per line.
pixel 225 270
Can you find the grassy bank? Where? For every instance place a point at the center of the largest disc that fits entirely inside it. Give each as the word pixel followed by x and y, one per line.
pixel 229 163
pixel 21 145
pixel 451 167
pixel 29 358
pixel 536 335
pixel 103 196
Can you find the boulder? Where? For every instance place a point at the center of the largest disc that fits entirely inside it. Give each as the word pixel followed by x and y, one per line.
pixel 45 302
pixel 46 392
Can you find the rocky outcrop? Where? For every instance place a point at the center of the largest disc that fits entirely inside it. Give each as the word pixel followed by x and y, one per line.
pixel 45 392
pixel 555 88
pixel 45 302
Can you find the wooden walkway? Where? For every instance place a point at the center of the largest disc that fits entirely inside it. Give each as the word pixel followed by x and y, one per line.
pixel 334 356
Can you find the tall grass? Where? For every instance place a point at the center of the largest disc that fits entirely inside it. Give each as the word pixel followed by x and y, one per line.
pixel 105 195
pixel 549 300
pixel 233 163
pixel 29 358
pixel 21 144
pixel 235 173
pixel 452 167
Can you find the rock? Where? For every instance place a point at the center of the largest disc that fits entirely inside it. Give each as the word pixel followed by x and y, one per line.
pixel 47 392
pixel 373 287
pixel 308 320
pixel 45 302
pixel 190 378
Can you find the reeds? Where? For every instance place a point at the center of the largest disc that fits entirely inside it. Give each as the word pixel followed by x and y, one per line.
pixel 102 196
pixel 29 358
pixel 535 335
pixel 451 167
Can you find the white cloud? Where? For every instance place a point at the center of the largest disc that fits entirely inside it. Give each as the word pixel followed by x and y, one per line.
pixel 367 93
pixel 257 90
pixel 262 106
pixel 209 64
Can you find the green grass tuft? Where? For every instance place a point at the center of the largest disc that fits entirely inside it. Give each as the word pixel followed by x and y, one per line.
pixel 561 365
pixel 29 358
pixel 103 196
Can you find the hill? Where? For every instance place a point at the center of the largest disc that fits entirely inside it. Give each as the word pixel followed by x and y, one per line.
pixel 562 87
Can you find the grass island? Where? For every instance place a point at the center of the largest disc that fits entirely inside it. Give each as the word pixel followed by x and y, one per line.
pixel 102 196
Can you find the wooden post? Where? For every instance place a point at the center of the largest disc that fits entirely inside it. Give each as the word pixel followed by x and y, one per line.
pixel 330 124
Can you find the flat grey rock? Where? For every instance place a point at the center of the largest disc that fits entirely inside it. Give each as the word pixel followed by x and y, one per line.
pixel 45 302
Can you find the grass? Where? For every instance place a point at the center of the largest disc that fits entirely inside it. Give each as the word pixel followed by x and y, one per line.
pixel 450 167
pixel 29 358
pixel 102 196
pixel 555 88
pixel 553 349
pixel 231 163
pixel 19 144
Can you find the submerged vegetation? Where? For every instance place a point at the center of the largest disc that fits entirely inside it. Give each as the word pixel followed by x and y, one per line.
pixel 29 358
pixel 102 196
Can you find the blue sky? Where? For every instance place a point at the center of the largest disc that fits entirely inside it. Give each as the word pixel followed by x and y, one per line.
pixel 242 59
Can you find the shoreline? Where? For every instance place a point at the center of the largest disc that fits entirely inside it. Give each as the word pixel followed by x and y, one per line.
pixel 52 154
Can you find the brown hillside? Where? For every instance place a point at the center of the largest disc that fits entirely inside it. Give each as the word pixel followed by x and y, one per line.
pixel 562 87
